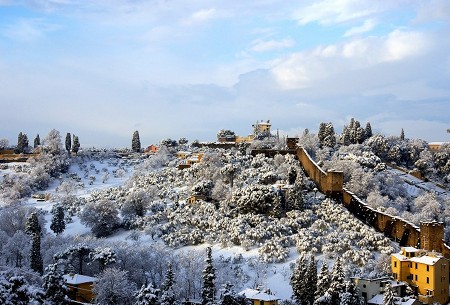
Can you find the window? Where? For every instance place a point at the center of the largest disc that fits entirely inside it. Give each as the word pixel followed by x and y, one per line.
pixel 428 268
pixel 395 276
pixel 416 277
pixel 395 264
pixel 416 265
pixel 428 280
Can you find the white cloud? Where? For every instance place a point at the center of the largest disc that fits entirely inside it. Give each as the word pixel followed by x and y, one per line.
pixel 367 26
pixel 202 16
pixel 328 12
pixel 299 70
pixel 28 30
pixel 271 45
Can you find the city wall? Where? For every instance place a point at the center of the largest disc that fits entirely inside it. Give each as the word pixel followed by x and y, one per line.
pixel 429 236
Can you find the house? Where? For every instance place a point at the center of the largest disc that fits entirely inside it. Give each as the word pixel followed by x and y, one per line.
pixel 370 288
pixel 194 198
pixel 426 272
pixel 151 149
pixel 183 154
pixel 80 287
pixel 259 298
pixel 436 146
pixel 261 127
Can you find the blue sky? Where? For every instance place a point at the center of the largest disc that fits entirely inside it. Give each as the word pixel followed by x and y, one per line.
pixel 168 68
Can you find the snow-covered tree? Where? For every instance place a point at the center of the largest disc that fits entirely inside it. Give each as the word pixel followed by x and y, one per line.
pixel 389 294
pixel 226 135
pixel 35 255
pixel 230 297
pixel 22 143
pixel 54 286
pixel 58 224
pixel 208 276
pixel 101 216
pixel 76 144
pixel 167 292
pixel 337 282
pixel 300 283
pixel 368 130
pixel 136 142
pixel 104 257
pixel 350 296
pixel 147 295
pixel 113 287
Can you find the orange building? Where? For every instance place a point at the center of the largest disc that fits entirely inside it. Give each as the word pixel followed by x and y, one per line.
pixel 80 287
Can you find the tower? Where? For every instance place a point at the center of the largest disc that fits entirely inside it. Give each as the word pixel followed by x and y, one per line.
pixel 431 236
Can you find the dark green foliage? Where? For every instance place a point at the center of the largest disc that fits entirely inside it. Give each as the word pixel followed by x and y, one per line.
pixel 36 257
pixel 32 224
pixel 302 282
pixel 68 142
pixel 136 142
pixel 368 130
pixel 208 276
pixel 76 144
pixel 54 286
pixel 230 297
pixel 402 135
pixel 37 141
pixel 22 143
pixel 58 224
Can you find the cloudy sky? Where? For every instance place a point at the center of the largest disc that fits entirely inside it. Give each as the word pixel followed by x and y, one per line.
pixel 170 68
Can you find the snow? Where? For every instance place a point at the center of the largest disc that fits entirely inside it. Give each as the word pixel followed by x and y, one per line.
pixel 76 279
pixel 257 295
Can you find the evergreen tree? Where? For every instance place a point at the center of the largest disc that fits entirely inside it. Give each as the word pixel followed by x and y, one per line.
pixel 312 280
pixel 368 130
pixel 402 135
pixel 58 224
pixel 299 281
pixel 208 277
pixel 321 134
pixel 323 281
pixel 346 139
pixel 37 141
pixel 147 295
pixel 337 285
pixel 32 224
pixel 36 257
pixel 351 295
pixel 167 293
pixel 389 295
pixel 68 142
pixel 22 142
pixel 76 144
pixel 136 142
pixel 230 297
pixel 54 286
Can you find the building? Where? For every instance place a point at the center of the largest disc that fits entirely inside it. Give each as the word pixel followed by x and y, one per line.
pixel 151 149
pixel 259 298
pixel 195 197
pixel 370 288
pixel 436 146
pixel 378 300
pixel 80 287
pixel 261 127
pixel 426 272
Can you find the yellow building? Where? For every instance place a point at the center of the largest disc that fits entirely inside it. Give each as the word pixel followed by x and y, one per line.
pixel 426 272
pixel 261 127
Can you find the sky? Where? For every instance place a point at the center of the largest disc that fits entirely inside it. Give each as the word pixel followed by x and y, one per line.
pixel 170 68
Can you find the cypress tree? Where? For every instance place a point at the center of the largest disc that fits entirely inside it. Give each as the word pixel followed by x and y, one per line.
pixel 68 142
pixel 312 280
pixel 76 144
pixel 33 228
pixel 147 295
pixel 36 257
pixel 37 141
pixel 58 224
pixel 368 130
pixel 389 295
pixel 208 276
pixel 136 142
pixel 402 135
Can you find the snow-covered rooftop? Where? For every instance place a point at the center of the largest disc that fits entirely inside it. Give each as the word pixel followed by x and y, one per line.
pixel 427 260
pixel 378 300
pixel 76 279
pixel 258 295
